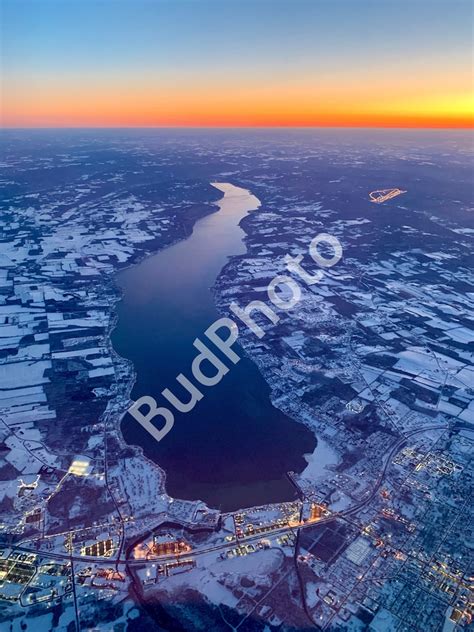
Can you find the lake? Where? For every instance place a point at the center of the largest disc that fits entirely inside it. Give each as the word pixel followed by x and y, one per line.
pixel 234 448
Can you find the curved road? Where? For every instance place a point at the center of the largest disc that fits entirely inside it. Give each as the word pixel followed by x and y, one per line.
pixel 351 510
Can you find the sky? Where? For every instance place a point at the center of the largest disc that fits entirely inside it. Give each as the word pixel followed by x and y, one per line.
pixel 232 63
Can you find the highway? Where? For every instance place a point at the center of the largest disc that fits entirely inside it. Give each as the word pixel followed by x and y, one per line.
pixel 247 540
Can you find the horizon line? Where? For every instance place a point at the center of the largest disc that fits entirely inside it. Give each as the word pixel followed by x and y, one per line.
pixel 236 127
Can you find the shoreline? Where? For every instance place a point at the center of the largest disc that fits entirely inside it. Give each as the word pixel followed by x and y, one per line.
pixel 120 361
pixel 125 362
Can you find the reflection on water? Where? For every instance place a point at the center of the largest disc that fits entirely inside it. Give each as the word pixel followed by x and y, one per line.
pixel 234 448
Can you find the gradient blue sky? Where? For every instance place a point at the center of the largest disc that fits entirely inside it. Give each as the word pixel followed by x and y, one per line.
pixel 289 59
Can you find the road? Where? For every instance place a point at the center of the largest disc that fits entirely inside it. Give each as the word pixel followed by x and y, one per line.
pixel 224 545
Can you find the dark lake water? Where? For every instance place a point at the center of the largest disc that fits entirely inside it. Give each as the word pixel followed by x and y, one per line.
pixel 234 448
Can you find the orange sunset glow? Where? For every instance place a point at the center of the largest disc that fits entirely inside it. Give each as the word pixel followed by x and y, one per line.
pixel 83 77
